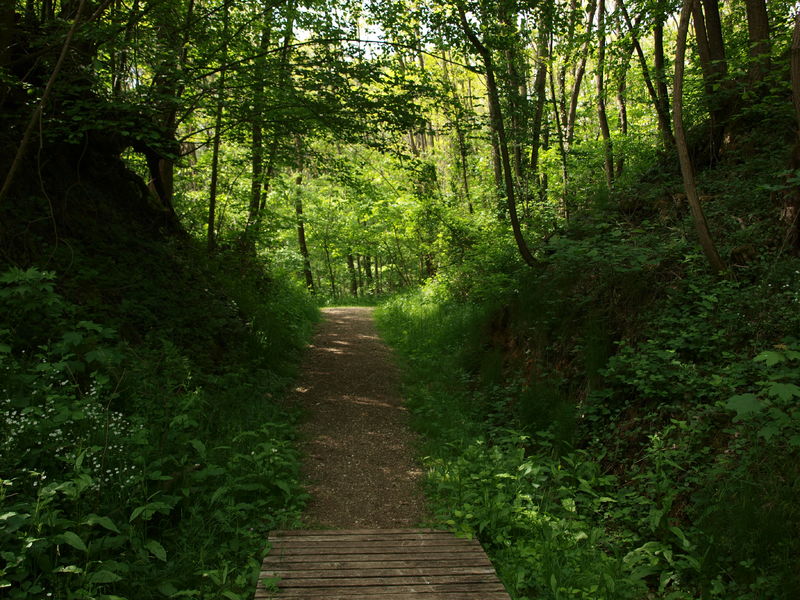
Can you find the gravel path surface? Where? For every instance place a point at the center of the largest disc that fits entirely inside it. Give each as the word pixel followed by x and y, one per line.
pixel 360 467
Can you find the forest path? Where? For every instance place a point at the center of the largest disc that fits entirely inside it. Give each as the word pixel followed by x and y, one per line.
pixel 359 467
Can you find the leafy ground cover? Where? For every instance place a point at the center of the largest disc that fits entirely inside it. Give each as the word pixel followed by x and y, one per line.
pixel 617 422
pixel 143 453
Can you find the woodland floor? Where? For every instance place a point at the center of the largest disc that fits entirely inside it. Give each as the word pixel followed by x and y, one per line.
pixel 359 467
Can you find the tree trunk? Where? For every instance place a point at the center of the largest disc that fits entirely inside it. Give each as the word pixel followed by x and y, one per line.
pixel 660 75
pixel 602 118
pixel 212 195
pixel 7 27
pixel 212 192
pixel 301 233
pixel 368 271
pixel 662 111
pixel 497 170
pixel 257 137
pixel 622 107
pixel 758 34
pixel 576 86
pixel 687 170
pixel 540 97
pixel 36 116
pixel 166 88
pixel 710 48
pixel 351 268
pixel 562 151
pixel 791 211
pixel 331 276
pixel 496 117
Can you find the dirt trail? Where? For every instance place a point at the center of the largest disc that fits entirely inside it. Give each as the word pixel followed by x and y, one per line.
pixel 360 467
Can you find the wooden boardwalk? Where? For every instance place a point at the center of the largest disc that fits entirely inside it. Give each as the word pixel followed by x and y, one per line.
pixel 377 564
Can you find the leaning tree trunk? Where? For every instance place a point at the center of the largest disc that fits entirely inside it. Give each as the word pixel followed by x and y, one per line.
pixel 36 116
pixel 576 86
pixel 687 171
pixel 496 118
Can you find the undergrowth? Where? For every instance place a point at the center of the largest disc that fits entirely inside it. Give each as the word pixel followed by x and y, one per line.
pixel 617 423
pixel 143 453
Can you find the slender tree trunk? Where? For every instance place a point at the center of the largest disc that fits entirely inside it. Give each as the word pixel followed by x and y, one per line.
pixel 758 34
pixel 462 152
pixel 791 212
pixel 301 233
pixel 562 151
pixel 622 107
pixel 662 110
pixel 687 170
pixel 378 277
pixel 257 137
pixel 602 118
pixel 660 76
pixel 212 192
pixel 368 271
pixel 540 97
pixel 212 195
pixel 331 276
pixel 576 86
pixel 497 170
pixel 496 117
pixel 351 269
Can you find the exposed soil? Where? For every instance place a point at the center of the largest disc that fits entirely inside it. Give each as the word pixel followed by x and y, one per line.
pixel 360 467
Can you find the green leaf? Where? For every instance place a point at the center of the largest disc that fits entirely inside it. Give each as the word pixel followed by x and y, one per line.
pixel 5 349
pixel 770 357
pixel 199 446
pixel 784 391
pixel 156 549
pixel 73 338
pixel 102 521
pixel 148 510
pixel 69 569
pixel 103 576
pixel 74 540
pixel 744 405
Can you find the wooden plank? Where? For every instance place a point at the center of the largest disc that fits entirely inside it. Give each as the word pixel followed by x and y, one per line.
pixel 375 549
pixel 478 561
pixel 427 556
pixel 424 571
pixel 364 537
pixel 392 580
pixel 477 589
pixel 333 543
pixel 312 532
pixel 399 595
pixel 363 564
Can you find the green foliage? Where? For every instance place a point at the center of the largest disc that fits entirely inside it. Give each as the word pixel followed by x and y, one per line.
pixel 616 423
pixel 123 475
